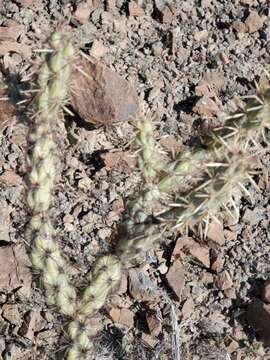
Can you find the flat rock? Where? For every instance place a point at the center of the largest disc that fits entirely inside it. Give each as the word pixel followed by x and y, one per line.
pixel 15 270
pixel 223 281
pixel 187 309
pixel 176 278
pixel 11 313
pixel 216 233
pixel 206 106
pixel 254 22
pixel 99 95
pixel 134 9
pixel 140 286
pixel 154 324
pixel 258 316
pixel 33 323
pixel 122 316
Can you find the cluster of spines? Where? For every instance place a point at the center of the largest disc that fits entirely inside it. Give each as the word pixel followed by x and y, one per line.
pixel 205 178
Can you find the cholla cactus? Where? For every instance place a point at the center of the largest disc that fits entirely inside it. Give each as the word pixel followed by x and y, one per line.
pixel 211 173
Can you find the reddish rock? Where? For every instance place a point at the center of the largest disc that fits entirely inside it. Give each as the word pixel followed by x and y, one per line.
pixel 266 292
pixel 134 9
pixel 149 341
pixel 216 233
pixel 11 313
pixel 258 315
pixel 10 178
pixel 122 316
pixel 99 95
pixel 223 281
pixel 206 107
pixel 176 278
pixel 15 270
pixel 254 22
pixel 187 309
pixel 218 263
pixel 162 12
pixel 154 324
pixel 200 253
pixel 98 49
pixel 83 11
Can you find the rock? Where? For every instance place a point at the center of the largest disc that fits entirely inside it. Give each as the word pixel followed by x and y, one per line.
pixel 258 316
pixel 33 323
pixel 98 49
pixel 140 286
pixel 187 309
pixel 266 292
pixel 201 35
pixel 218 263
pixel 223 281
pixel 134 9
pixel 224 58
pixel 99 95
pixel 206 107
pixel 47 337
pixel 216 233
pixel 149 341
pixel 15 270
pixel 7 109
pixel 154 324
pixel 11 313
pixel 239 27
pixel 122 316
pixel 5 211
pixel 176 278
pixel 83 11
pixel 232 347
pixel 162 12
pixel 200 253
pixel 122 162
pixel 10 178
pixel 207 278
pixel 254 22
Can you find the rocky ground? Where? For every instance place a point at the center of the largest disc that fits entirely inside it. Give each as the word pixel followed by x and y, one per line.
pixel 189 298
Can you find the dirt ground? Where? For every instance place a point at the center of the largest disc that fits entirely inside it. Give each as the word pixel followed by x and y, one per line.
pixel 188 298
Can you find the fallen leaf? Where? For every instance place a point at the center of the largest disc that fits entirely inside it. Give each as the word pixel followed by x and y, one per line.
pixel 12 46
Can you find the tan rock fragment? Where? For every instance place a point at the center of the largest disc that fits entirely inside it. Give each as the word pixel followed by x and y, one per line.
pixel 149 341
pixel 206 107
pixel 98 49
pixel 187 309
pixel 134 9
pixel 176 278
pixel 10 178
pixel 216 233
pixel 254 22
pixel 99 95
pixel 154 324
pixel 11 313
pixel 122 316
pixel 223 281
pixel 83 11
pixel 15 270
